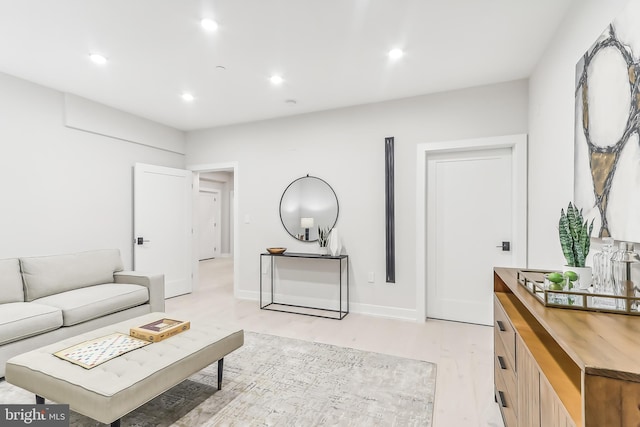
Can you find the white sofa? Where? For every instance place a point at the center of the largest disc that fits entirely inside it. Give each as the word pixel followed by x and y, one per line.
pixel 45 299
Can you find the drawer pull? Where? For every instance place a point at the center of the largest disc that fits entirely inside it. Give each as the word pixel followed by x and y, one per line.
pixel 501 362
pixel 502 402
pixel 501 326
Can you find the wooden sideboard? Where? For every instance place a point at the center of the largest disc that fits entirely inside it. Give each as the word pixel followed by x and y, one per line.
pixel 561 367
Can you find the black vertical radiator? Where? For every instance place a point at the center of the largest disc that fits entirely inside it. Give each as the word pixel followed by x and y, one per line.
pixel 389 210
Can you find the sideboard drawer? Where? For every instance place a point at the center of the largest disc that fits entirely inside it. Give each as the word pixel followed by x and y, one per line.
pixel 504 330
pixel 506 401
pixel 505 367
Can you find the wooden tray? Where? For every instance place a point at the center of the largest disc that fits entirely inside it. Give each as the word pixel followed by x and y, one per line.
pixel 160 329
pixel 533 281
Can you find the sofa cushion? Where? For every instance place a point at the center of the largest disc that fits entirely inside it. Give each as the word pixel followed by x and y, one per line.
pixel 80 305
pixel 49 275
pixel 10 281
pixel 19 320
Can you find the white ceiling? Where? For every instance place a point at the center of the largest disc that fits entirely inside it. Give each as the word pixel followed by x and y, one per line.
pixel 331 53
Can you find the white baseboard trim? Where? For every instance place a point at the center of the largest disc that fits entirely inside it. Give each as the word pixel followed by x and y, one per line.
pixel 250 295
pixel 359 308
pixel 225 255
pixel 383 311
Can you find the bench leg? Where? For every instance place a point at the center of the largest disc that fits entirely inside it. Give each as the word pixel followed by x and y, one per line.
pixel 220 363
pixel 116 423
pixel 39 400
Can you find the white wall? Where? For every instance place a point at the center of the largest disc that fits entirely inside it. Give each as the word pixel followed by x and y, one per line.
pixel 551 125
pixel 90 116
pixel 62 189
pixel 345 147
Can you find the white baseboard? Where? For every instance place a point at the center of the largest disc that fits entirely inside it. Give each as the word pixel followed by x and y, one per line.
pixel 249 295
pixel 384 311
pixel 359 308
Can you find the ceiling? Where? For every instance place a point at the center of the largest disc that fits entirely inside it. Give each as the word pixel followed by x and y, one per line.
pixel 330 53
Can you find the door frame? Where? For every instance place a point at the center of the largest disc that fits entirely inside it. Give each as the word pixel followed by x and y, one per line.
pixel 222 167
pixel 518 145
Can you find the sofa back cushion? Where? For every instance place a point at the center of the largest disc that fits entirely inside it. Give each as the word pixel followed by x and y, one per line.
pixel 10 281
pixel 49 275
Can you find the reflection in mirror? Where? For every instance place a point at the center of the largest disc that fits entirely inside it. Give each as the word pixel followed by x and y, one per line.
pixel 306 204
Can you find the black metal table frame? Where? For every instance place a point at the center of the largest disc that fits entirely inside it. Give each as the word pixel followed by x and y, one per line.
pixel 341 313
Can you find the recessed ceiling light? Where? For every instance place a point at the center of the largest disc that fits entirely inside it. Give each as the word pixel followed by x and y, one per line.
pixel 187 97
pixel 276 80
pixel 396 53
pixel 220 67
pixel 209 24
pixel 290 101
pixel 97 58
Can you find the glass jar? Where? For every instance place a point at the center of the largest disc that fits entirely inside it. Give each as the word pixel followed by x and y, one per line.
pixel 602 271
pixel 622 262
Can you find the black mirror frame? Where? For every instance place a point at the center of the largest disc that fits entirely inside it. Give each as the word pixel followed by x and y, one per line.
pixel 285 192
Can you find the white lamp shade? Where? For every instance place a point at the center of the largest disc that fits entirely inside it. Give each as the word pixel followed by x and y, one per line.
pixel 306 222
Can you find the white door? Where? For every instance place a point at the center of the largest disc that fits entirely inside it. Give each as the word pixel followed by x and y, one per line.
pixel 162 225
pixel 469 215
pixel 209 225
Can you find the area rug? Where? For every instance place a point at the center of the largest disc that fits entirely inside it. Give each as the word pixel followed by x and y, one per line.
pixel 275 381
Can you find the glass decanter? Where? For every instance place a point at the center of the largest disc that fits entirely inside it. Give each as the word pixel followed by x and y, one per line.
pixel 602 272
pixel 622 262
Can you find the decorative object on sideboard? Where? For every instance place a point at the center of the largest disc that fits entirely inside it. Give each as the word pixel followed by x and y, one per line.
pixel 323 240
pixel 276 251
pixel 622 263
pixel 551 294
pixel 335 247
pixel 606 129
pixel 603 272
pixel 584 276
pixel 306 203
pixel 569 280
pixel 575 239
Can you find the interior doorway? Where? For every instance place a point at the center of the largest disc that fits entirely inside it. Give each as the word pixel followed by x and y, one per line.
pixel 460 184
pixel 215 190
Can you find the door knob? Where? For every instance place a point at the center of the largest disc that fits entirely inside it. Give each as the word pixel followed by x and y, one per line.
pixel 506 246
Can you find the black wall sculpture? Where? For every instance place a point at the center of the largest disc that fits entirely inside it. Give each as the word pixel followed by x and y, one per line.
pixel 389 210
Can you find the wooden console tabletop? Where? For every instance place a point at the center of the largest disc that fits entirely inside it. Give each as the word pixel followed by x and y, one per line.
pixel 600 344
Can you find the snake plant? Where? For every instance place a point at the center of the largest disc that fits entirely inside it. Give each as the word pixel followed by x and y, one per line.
pixel 323 236
pixel 575 233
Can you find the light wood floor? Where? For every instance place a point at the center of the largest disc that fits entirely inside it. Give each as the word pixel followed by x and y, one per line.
pixel 463 352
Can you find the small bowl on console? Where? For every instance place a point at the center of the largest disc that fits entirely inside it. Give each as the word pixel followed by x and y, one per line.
pixel 276 251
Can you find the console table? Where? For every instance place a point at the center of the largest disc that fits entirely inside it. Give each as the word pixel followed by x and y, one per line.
pixel 271 304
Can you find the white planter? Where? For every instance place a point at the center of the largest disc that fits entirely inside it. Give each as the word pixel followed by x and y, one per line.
pixel 324 250
pixel 585 275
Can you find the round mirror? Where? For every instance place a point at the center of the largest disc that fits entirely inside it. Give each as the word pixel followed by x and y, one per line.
pixel 306 204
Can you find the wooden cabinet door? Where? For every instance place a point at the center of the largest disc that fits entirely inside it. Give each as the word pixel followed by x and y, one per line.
pixel 611 402
pixel 552 412
pixel 528 387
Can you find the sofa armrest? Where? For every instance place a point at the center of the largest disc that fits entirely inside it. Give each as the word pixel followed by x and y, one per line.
pixel 155 283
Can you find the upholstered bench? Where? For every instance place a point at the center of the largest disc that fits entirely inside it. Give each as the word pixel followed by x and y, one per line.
pixel 111 390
